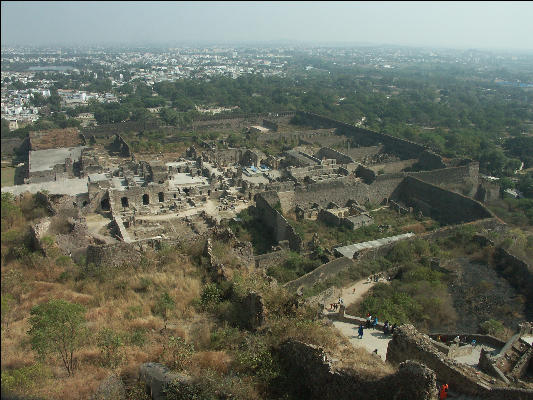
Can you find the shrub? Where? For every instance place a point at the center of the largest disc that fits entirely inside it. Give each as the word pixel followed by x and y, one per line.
pixel 164 305
pixel 57 326
pixel 211 296
pixel 110 343
pixel 401 252
pixel 179 352
pixel 492 327
pixel 137 337
pixel 24 378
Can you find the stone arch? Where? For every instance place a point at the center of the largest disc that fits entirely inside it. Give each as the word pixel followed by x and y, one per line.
pixel 161 197
pixel 125 202
pixel 146 199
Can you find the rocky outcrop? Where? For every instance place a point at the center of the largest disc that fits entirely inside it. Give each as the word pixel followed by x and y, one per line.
pixel 111 388
pixel 313 376
pixel 157 377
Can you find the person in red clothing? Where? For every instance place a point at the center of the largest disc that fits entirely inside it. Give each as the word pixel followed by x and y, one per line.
pixel 443 392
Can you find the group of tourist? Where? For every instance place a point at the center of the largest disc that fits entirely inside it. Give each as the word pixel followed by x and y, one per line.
pixel 335 306
pixel 372 322
pixel 378 277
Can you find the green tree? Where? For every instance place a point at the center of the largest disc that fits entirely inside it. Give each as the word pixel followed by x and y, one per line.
pixel 9 210
pixel 57 326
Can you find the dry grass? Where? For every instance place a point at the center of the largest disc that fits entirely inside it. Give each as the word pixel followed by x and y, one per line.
pixel 218 361
pixel 366 365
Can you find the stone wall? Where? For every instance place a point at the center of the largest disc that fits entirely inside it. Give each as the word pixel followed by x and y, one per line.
pixel 274 258
pixel 465 174
pixel 280 227
pixel 358 154
pixel 322 272
pixel 409 344
pixel 328 153
pixel 311 375
pixel 114 255
pixel 442 205
pixel 120 146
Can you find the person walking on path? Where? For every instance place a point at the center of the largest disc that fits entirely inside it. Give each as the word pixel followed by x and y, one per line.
pixel 360 331
pixel 443 394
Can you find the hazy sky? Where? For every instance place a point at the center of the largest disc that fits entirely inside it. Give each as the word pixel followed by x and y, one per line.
pixel 497 25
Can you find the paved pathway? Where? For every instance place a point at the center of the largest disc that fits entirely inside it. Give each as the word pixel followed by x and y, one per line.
pixel 372 338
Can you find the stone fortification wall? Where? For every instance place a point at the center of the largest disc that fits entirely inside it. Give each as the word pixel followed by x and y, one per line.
pixel 328 153
pixel 465 174
pixel 442 205
pixel 409 344
pixel 358 154
pixel 322 272
pixel 364 137
pixel 280 227
pixel 487 192
pixel 393 166
pixel 429 160
pixel 313 376
pixel 381 187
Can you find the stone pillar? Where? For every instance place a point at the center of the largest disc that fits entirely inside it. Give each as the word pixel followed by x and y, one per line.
pixel 342 310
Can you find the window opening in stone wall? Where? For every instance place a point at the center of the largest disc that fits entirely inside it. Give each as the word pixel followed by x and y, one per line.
pixel 124 201
pixel 146 199
pixel 161 197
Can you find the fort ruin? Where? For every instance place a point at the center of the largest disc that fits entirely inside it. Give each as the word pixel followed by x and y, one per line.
pixel 118 205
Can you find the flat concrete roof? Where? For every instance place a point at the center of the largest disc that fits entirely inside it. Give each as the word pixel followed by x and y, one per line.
pixel 351 249
pixel 44 160
pixel 175 164
pixel 119 183
pixel 71 187
pixel 98 177
pixel 258 178
pixel 182 179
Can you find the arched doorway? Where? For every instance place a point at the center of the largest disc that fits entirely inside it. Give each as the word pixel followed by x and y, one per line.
pixel 124 201
pixel 146 199
pixel 104 204
pixel 161 197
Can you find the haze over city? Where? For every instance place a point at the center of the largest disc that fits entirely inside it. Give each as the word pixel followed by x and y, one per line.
pixel 491 25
